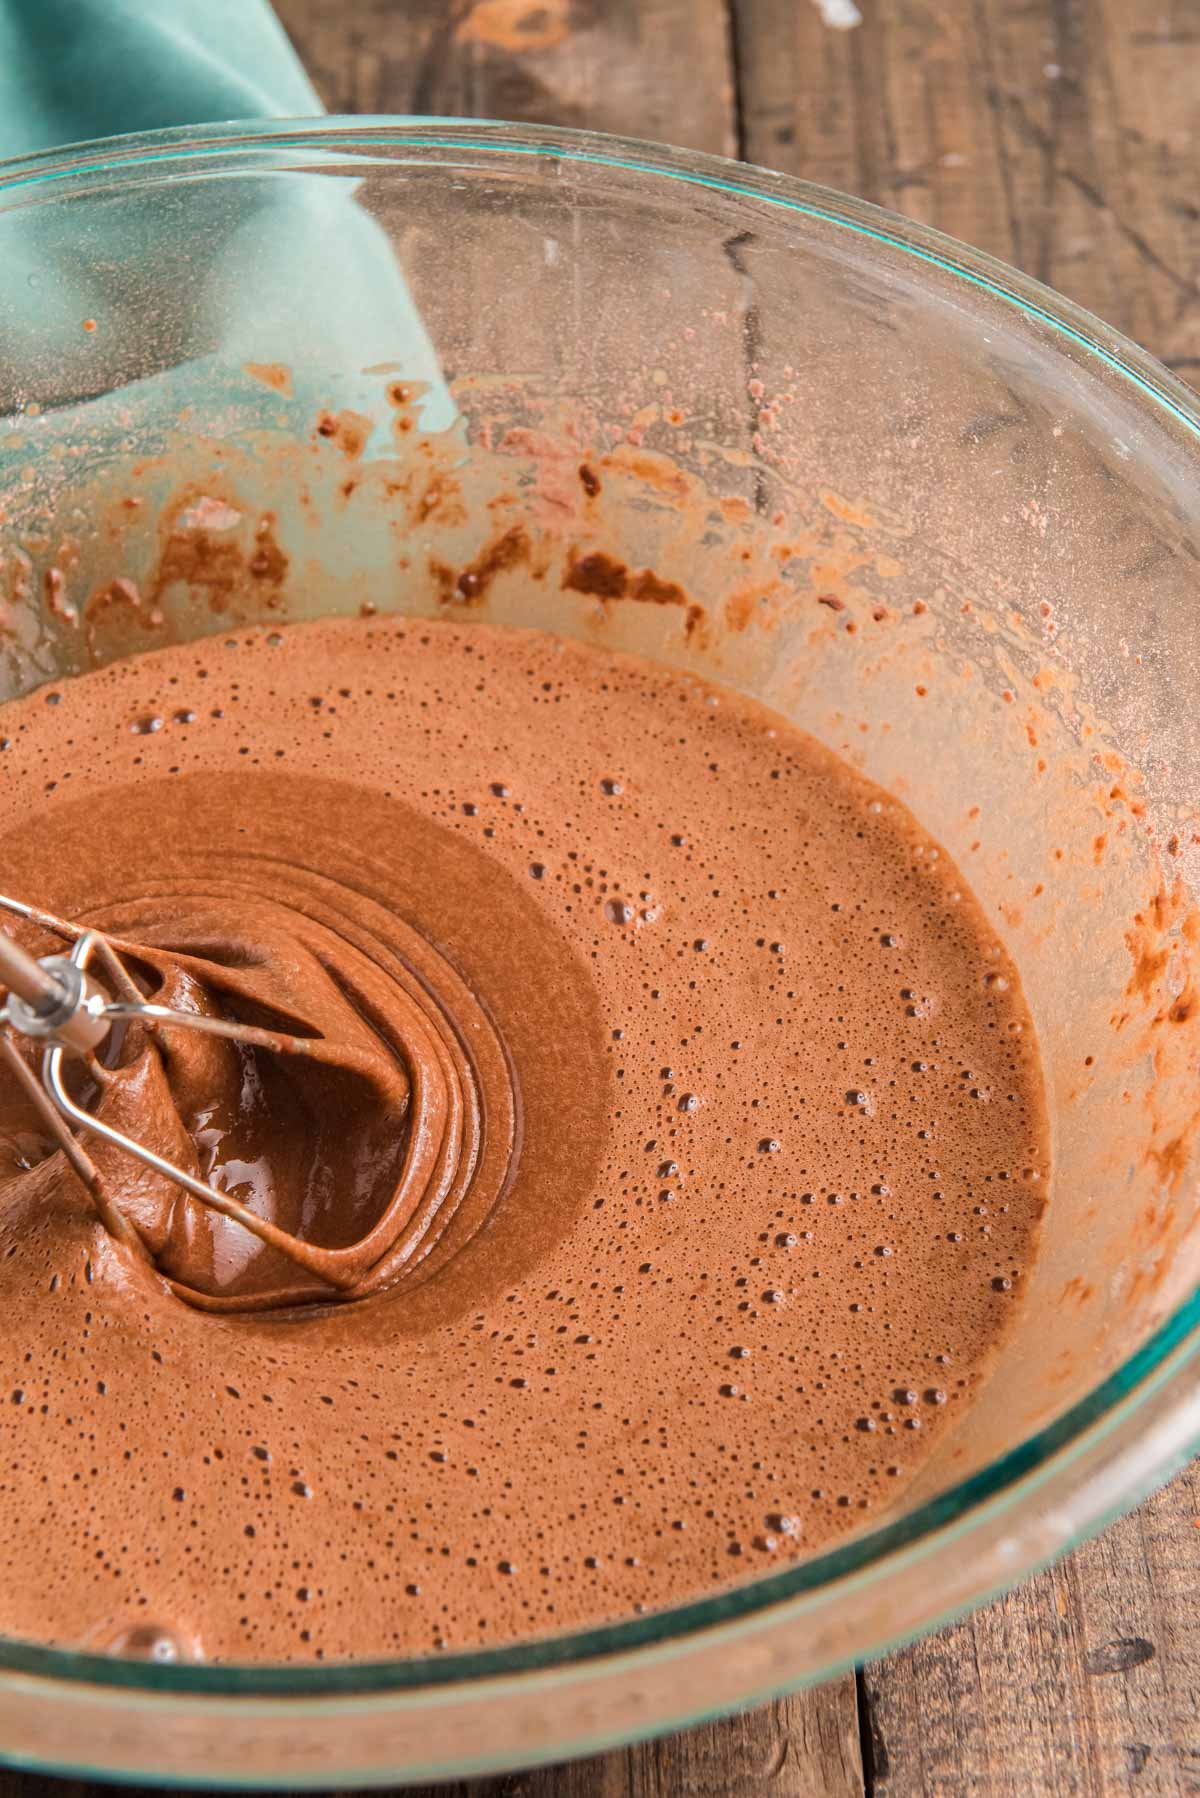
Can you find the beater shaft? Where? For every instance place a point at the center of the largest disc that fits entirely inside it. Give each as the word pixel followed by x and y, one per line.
pixel 55 998
pixel 22 975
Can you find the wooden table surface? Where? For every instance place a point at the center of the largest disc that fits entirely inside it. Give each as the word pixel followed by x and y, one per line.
pixel 1061 135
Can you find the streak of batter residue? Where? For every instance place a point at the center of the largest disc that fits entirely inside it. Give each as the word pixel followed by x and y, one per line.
pixel 804 1206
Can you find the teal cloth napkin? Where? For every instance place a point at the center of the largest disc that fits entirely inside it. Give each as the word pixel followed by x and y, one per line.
pixel 75 69
pixel 306 278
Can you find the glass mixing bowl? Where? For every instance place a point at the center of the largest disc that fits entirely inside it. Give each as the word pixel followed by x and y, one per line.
pixel 943 519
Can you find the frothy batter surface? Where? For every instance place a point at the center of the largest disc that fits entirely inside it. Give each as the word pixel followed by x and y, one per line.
pixel 728 1197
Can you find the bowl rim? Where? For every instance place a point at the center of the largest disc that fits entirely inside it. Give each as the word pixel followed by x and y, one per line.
pixel 1092 1439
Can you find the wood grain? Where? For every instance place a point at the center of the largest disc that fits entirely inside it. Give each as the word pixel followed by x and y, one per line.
pixel 659 70
pixel 1059 135
pixel 1084 1681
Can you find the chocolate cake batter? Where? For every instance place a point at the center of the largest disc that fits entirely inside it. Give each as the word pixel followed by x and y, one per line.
pixel 666 1167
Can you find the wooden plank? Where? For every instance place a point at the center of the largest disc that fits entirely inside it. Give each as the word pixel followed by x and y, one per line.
pixel 1102 154
pixel 1084 1681
pixel 895 109
pixel 1058 135
pixel 805 1746
pixel 658 70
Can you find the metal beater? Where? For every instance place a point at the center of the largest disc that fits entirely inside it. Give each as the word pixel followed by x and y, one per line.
pixel 57 1001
